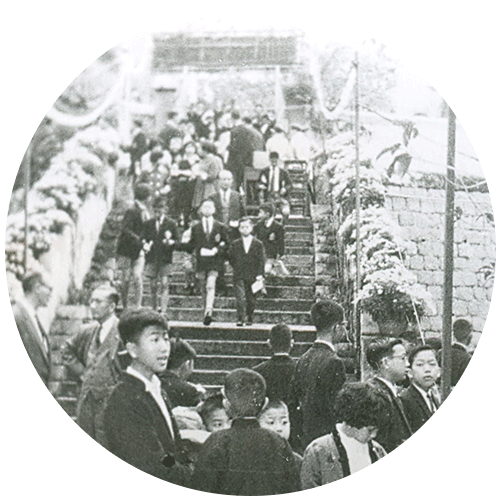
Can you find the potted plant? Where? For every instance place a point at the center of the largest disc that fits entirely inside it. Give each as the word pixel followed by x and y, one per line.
pixel 394 299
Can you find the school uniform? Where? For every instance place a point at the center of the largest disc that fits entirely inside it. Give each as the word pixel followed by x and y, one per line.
pixel 272 235
pixel 247 258
pixel 318 377
pixel 418 406
pixel 207 235
pixel 246 460
pixel 160 233
pixel 397 428
pixel 229 209
pixel 92 356
pixel 143 432
pixel 278 373
pixel 130 254
pixel 180 392
pixel 272 180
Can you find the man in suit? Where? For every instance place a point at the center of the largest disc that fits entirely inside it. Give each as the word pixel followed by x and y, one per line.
pixel 421 400
pixel 246 256
pixel 318 377
pixel 161 235
pixel 91 357
pixel 37 293
pixel 389 360
pixel 278 371
pixel 130 251
pixel 138 421
pixel 275 185
pixel 208 244
pixel 240 149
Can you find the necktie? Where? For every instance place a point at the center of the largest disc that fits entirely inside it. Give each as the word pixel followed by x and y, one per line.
pixel 432 401
pixel 207 226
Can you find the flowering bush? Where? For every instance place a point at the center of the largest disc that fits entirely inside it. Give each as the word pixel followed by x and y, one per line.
pixel 54 199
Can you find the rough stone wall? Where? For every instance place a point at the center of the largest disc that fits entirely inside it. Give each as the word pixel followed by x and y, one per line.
pixel 420 213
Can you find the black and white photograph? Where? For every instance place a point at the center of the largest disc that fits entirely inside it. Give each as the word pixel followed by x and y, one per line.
pixel 250 254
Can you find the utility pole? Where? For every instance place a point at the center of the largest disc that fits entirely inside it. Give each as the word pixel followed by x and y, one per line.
pixel 448 258
pixel 357 312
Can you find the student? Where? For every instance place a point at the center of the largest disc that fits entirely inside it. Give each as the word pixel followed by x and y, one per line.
pixel 421 399
pixel 208 244
pixel 138 422
pixel 389 360
pixel 91 356
pixel 275 185
pixel 274 417
pixel 36 294
pixel 213 413
pixel 246 256
pixel 131 255
pixel 460 356
pixel 360 410
pixel 278 371
pixel 174 380
pixel 245 459
pixel 161 235
pixel 272 235
pixel 319 376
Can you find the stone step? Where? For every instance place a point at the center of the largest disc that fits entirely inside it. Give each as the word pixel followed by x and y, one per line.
pixel 179 301
pixel 298 236
pixel 228 363
pixel 305 261
pixel 209 377
pixel 299 250
pixel 273 292
pixel 229 316
pixel 292 280
pixel 224 348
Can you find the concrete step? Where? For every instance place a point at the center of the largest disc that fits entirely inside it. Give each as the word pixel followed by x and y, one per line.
pixel 292 280
pixel 298 236
pixel 273 292
pixel 224 348
pixel 229 316
pixel 179 301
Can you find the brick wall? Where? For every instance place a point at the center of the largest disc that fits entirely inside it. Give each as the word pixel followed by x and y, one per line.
pixel 420 213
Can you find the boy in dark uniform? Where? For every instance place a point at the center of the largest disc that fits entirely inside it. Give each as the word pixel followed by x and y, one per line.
pixel 272 235
pixel 245 459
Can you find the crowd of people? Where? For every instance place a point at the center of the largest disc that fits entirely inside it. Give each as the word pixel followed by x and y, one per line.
pixel 282 426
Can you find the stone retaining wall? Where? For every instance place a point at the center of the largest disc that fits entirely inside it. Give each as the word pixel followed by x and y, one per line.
pixel 420 213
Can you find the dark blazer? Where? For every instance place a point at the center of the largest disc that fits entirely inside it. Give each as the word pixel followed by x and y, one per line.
pixel 241 148
pixel 397 428
pixel 217 238
pixel 246 460
pixel 416 410
pixel 273 238
pixel 459 360
pixel 39 354
pixel 318 377
pixel 247 266
pixel 160 252
pixel 180 392
pixel 137 433
pixel 235 210
pixel 284 182
pixel 131 237
pixel 278 373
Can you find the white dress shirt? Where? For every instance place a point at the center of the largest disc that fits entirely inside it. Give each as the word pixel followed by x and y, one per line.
pixel 153 386
pixel 358 454
pixel 106 327
pixel 247 241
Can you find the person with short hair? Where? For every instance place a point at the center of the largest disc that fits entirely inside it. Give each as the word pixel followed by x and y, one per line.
pixel 319 376
pixel 161 236
pixel 460 356
pixel 129 248
pixel 139 425
pixel 275 185
pixel 175 379
pixel 245 459
pixel 207 173
pixel 207 241
pixel 278 371
pixel 421 400
pixel 389 360
pixel 272 234
pixel 350 447
pixel 214 414
pixel 246 256
pixel 92 357
pixel 36 294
